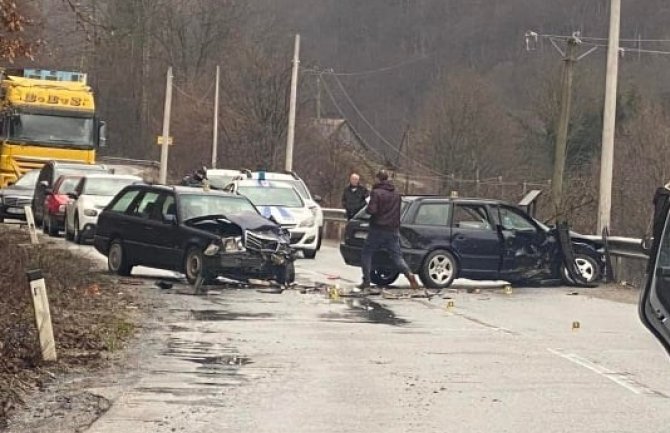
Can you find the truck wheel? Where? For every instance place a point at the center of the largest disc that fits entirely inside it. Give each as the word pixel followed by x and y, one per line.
pixel 383 276
pixel 439 270
pixel 117 262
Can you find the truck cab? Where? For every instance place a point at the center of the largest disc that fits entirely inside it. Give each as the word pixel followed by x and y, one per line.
pixel 46 116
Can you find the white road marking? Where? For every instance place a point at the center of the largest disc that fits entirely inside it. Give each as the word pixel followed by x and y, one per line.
pixel 621 379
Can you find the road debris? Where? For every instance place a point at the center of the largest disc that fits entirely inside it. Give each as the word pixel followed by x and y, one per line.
pixel 576 325
pixel 164 285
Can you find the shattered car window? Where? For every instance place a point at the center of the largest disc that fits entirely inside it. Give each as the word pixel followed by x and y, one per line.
pixel 199 205
pixel 269 196
pixel 471 217
pixel 513 220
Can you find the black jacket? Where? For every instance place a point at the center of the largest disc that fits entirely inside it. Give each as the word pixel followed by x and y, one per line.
pixel 353 199
pixel 384 207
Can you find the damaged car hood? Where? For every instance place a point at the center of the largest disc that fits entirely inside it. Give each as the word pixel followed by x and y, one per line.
pixel 252 221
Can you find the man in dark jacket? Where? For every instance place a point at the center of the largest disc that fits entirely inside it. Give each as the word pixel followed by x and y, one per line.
pixel 354 195
pixel 384 233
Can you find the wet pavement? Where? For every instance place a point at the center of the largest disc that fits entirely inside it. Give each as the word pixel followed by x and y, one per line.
pixel 485 361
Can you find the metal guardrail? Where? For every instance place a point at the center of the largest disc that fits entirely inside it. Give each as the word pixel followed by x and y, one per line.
pixel 334 215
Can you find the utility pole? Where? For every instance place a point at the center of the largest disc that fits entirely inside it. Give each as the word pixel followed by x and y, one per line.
pixel 318 96
pixel 609 118
pixel 215 135
pixel 290 136
pixel 166 127
pixel 563 124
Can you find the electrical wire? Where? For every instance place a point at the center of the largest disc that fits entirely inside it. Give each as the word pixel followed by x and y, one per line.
pixel 193 98
pixel 589 38
pixel 356 133
pixel 384 68
pixel 376 132
pixel 585 42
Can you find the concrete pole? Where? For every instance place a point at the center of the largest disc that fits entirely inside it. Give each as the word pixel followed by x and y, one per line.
pixel 563 125
pixel 166 128
pixel 290 136
pixel 215 135
pixel 609 118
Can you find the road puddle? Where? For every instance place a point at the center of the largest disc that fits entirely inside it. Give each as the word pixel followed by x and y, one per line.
pixel 363 310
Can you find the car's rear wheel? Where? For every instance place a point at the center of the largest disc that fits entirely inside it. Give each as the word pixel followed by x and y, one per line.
pixel 50 227
pixel 77 230
pixel 588 267
pixel 439 270
pixel 286 273
pixel 383 276
pixel 68 234
pixel 117 262
pixel 194 265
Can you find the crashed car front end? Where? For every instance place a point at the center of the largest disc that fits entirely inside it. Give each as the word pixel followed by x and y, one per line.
pixel 247 248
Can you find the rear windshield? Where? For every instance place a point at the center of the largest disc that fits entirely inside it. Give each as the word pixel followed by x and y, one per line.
pixel 106 186
pixel 364 215
pixel 271 196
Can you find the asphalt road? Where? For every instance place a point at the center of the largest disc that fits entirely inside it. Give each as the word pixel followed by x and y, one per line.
pixel 486 361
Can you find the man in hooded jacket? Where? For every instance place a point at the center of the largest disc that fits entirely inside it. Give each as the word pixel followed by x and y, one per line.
pixel 384 233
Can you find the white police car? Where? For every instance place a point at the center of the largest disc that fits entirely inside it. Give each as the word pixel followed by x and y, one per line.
pixel 282 203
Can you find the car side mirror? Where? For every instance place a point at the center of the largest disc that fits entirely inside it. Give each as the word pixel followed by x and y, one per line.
pixel 170 219
pixel 318 199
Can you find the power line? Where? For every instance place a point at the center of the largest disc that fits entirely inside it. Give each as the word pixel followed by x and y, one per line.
pixel 590 38
pixel 356 133
pixel 199 101
pixel 375 131
pixel 585 42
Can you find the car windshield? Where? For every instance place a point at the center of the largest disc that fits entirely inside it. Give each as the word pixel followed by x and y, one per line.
pixel 298 185
pixel 68 185
pixel 53 130
pixel 200 205
pixel 106 186
pixel 28 180
pixel 271 196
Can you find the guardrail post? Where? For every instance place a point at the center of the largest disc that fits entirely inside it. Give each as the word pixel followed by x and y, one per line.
pixel 30 221
pixel 38 293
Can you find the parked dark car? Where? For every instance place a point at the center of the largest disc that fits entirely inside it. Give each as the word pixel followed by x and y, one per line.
pixel 443 239
pixel 49 173
pixel 16 196
pixel 202 233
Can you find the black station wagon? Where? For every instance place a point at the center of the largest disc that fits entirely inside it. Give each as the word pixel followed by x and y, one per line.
pixel 443 239
pixel 202 233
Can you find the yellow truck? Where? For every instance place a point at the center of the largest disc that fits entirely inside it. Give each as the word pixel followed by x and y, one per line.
pixel 46 116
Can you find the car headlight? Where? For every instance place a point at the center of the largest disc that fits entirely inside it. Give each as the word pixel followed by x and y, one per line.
pixel 233 245
pixel 212 249
pixel 90 212
pixel 309 222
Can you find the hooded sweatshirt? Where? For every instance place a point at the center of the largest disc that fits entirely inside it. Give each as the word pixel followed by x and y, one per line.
pixel 384 207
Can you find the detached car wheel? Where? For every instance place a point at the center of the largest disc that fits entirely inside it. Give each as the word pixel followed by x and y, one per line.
pixel 117 262
pixel 588 267
pixel 439 270
pixel 383 276
pixel 286 273
pixel 194 265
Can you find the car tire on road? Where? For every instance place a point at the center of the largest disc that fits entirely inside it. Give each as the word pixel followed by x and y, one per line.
pixel 77 231
pixel 310 254
pixel 48 226
pixel 68 233
pixel 117 262
pixel 588 267
pixel 439 270
pixel 383 276
pixel 286 273
pixel 193 264
pixel 320 239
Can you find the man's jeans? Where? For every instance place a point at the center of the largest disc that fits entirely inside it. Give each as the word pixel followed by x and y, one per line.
pixel 382 240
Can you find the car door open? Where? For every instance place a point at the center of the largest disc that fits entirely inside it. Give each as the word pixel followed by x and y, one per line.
pixel 655 299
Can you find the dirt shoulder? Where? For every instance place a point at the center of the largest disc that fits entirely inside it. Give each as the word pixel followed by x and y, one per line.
pixel 93 320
